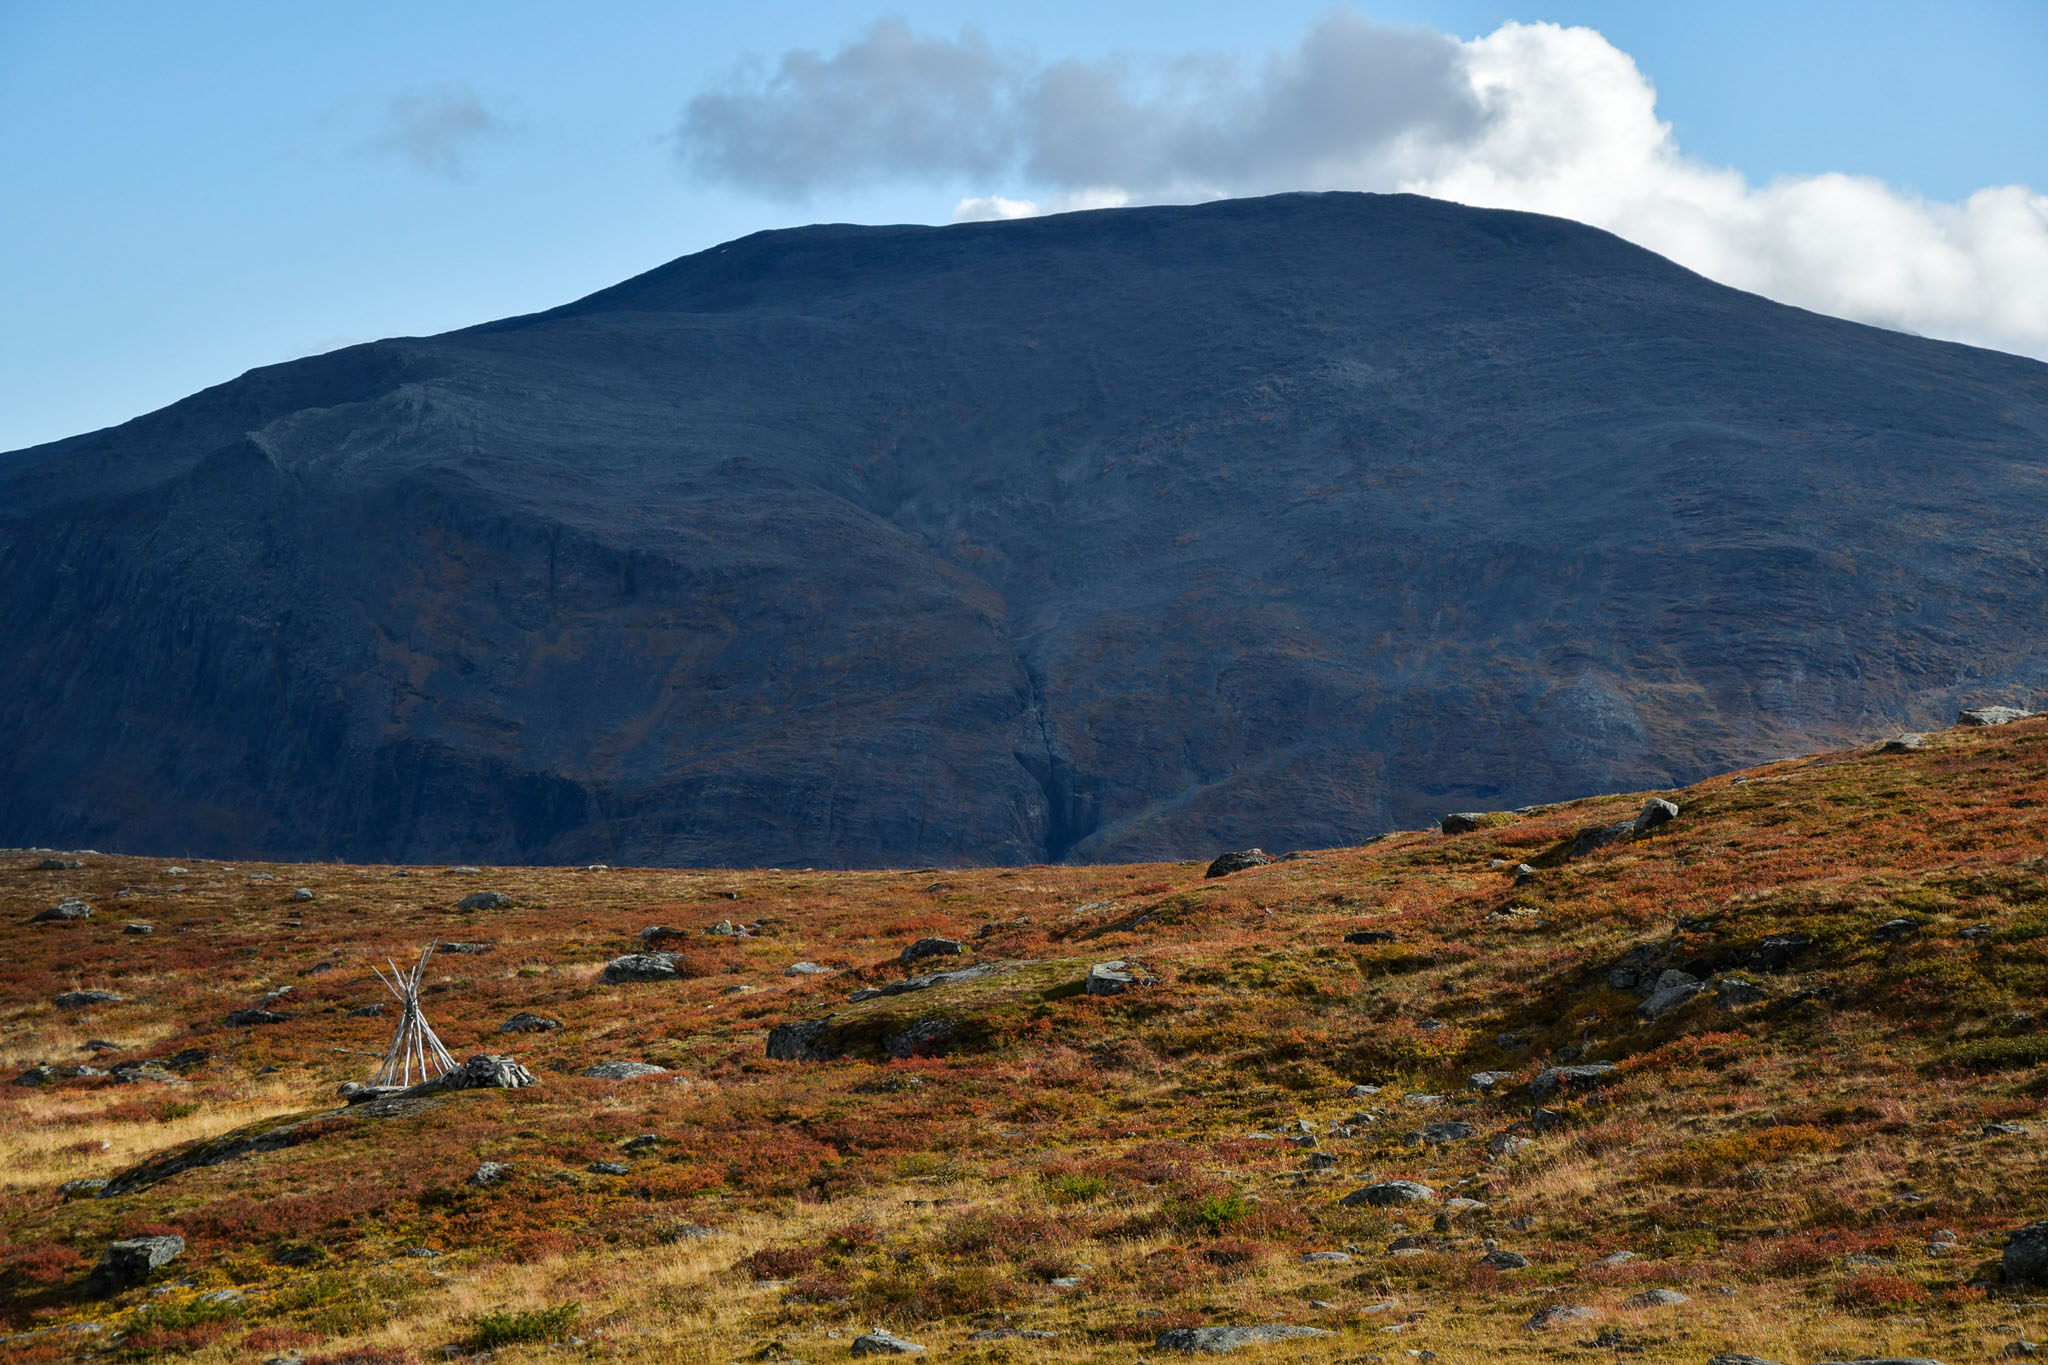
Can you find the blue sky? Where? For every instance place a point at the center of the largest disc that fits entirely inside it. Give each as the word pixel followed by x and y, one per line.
pixel 195 190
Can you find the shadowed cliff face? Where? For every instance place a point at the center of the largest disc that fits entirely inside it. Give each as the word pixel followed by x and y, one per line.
pixel 1120 534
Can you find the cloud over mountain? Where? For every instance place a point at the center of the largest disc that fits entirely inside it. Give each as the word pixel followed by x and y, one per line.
pixel 1531 116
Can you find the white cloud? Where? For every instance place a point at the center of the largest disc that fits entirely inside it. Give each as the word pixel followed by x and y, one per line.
pixel 1532 116
pixel 434 129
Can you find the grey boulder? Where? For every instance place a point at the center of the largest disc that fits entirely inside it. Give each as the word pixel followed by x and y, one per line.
pixel 128 1262
pixel 639 967
pixel 884 1344
pixel 490 1173
pixel 249 1018
pixel 624 1071
pixel 529 1023
pixel 1672 990
pixel 1388 1193
pixel 1655 1298
pixel 1239 861
pixel 1990 715
pixel 1112 978
pixel 1552 1080
pixel 1558 1315
pixel 484 900
pixel 484 1071
pixel 63 910
pixel 929 947
pixel 2026 1255
pixel 1216 1340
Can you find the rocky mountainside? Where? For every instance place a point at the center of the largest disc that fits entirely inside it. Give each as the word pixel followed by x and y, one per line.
pixel 1123 534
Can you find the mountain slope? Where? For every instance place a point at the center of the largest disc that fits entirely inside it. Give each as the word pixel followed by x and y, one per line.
pixel 1106 535
pixel 1807 1009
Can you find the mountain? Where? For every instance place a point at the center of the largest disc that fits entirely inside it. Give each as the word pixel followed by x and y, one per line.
pixel 1121 534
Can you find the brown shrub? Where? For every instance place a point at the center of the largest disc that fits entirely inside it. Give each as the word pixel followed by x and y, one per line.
pixel 779 1263
pixel 1880 1293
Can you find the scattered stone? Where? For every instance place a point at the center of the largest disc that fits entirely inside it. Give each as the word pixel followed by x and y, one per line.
pixel 1505 1260
pixel 1990 715
pixel 1422 1101
pixel 1359 1092
pixel 1779 951
pixel 639 967
pixel 646 1142
pixel 140 1073
pixel 1558 1315
pixel 725 928
pixel 250 1018
pixel 527 1023
pixel 925 983
pixel 1437 1134
pixel 421 1253
pixel 1388 1193
pixel 1007 1333
pixel 1617 1258
pixel 304 893
pixel 174 872
pixel 1727 1358
pixel 1326 1257
pixel 2026 1255
pixel 484 1071
pixel 460 871
pixel 923 1037
pixel 624 1071
pixel 1892 930
pixel 1732 992
pixel 1487 1080
pixel 60 864
pixel 690 1232
pixel 101 1045
pixel 1584 1076
pixel 63 910
pixel 1113 978
pixel 484 900
pixel 82 1189
pixel 807 969
pixel 884 1344
pixel 80 1000
pixel 1656 811
pixel 661 933
pixel 466 949
pixel 812 1040
pixel 1369 936
pixel 1508 1144
pixel 1216 1340
pixel 1524 874
pixel 490 1173
pixel 136 926
pixel 1239 861
pixel 364 1012
pixel 1903 744
pixel 1656 1298
pixel 1672 990
pixel 266 877
pixel 929 947
pixel 129 1262
pixel 2005 1130
pixel 608 1168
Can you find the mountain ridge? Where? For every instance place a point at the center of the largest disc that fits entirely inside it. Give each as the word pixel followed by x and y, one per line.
pixel 1127 533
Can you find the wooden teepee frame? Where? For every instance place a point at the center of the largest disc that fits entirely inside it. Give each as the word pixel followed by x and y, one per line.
pixel 414 1044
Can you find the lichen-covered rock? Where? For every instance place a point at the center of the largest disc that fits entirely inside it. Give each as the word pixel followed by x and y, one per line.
pixel 484 900
pixel 530 1023
pixel 1112 978
pixel 129 1262
pixel 808 1041
pixel 1558 1315
pixel 1655 1298
pixel 61 911
pixel 624 1071
pixel 1388 1194
pixel 490 1172
pixel 884 1344
pixel 1216 1340
pixel 1672 989
pixel 640 967
pixel 926 1036
pixel 251 1018
pixel 1990 715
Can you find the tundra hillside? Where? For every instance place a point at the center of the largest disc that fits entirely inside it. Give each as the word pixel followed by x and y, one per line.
pixel 1764 1076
